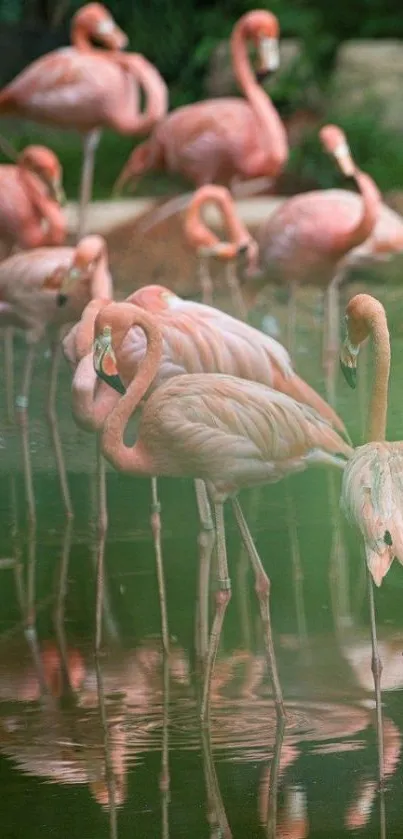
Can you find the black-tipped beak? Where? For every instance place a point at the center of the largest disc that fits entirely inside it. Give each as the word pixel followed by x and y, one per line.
pixel 350 374
pixel 114 381
pixel 242 249
pixel 262 75
pixel 62 299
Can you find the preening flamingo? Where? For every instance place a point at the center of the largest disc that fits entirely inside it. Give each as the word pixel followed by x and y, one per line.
pixel 206 243
pixel 228 432
pixel 371 494
pixel 32 298
pixel 223 140
pixel 307 241
pixel 30 215
pixel 87 88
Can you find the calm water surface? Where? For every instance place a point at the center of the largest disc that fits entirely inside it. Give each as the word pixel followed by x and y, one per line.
pixel 89 751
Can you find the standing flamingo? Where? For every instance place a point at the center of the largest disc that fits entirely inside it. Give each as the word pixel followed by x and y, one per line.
pixel 87 88
pixel 371 494
pixel 228 139
pixel 32 298
pixel 206 243
pixel 307 241
pixel 226 431
pixel 30 215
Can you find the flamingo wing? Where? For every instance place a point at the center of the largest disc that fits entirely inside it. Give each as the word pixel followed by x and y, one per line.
pixel 372 499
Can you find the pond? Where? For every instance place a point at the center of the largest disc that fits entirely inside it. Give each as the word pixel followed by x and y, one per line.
pixel 113 747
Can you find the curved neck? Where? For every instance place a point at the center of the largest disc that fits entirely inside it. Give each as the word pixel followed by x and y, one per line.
pixel 371 205
pixel 101 283
pixel 34 187
pixel 273 132
pixel 154 87
pixel 121 456
pixel 80 39
pixel 379 396
pixel 92 400
pixel 196 229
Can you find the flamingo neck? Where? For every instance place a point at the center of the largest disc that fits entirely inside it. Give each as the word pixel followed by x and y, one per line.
pixel 101 283
pixel 84 335
pixel 132 459
pixel 92 400
pixel 273 135
pixel 371 205
pixel 34 187
pixel 379 396
pixel 154 88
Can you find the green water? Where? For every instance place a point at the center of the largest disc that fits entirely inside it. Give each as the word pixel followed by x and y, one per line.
pixel 60 759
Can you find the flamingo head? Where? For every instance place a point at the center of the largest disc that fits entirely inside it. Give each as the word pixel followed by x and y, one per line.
pixel 87 256
pixel 43 162
pixel 155 298
pixel 262 28
pixel 248 254
pixel 105 360
pixel 359 316
pixel 334 141
pixel 95 22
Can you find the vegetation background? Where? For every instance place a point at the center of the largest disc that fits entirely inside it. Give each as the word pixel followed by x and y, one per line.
pixel 180 36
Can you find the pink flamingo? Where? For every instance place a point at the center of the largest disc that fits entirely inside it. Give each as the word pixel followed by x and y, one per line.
pixel 30 215
pixel 309 238
pixel 223 140
pixel 86 88
pixel 229 432
pixel 207 244
pixel 33 298
pixel 371 489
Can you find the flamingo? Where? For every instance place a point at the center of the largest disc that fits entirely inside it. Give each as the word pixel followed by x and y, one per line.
pixel 88 89
pixel 229 432
pixel 372 486
pixel 206 243
pixel 32 298
pixel 30 215
pixel 223 140
pixel 308 240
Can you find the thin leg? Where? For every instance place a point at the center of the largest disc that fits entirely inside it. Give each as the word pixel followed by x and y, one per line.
pixel 9 372
pixel 102 492
pixel 377 672
pixel 22 418
pixel 109 773
pixel 156 530
pixel 338 563
pixel 298 574
pixel 205 281
pixel 91 142
pixel 292 320
pixel 216 815
pixel 30 614
pixel 66 689
pixel 331 335
pixel 206 541
pixel 271 816
pixel 223 596
pixel 262 584
pixel 102 602
pixel 235 291
pixel 165 781
pixel 54 430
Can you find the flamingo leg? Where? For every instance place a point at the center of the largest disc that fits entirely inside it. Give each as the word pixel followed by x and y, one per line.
pixel 205 281
pixel 331 336
pixel 271 813
pixel 165 780
pixel 155 520
pixel 235 291
pixel 222 598
pixel 91 142
pixel 9 372
pixel 54 430
pixel 377 672
pixel 109 773
pixel 22 417
pixel 298 574
pixel 206 541
pixel 262 584
pixel 216 815
pixel 59 622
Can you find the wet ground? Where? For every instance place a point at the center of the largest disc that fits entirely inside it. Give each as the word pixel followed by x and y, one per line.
pixel 95 751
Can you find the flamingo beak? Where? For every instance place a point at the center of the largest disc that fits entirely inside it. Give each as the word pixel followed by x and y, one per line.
pixel 105 361
pixel 57 192
pixel 343 156
pixel 348 363
pixel 269 57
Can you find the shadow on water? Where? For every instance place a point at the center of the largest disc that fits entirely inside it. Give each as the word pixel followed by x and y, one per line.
pixel 111 745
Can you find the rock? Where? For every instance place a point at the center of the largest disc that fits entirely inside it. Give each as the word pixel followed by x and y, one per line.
pixel 220 79
pixel 370 72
